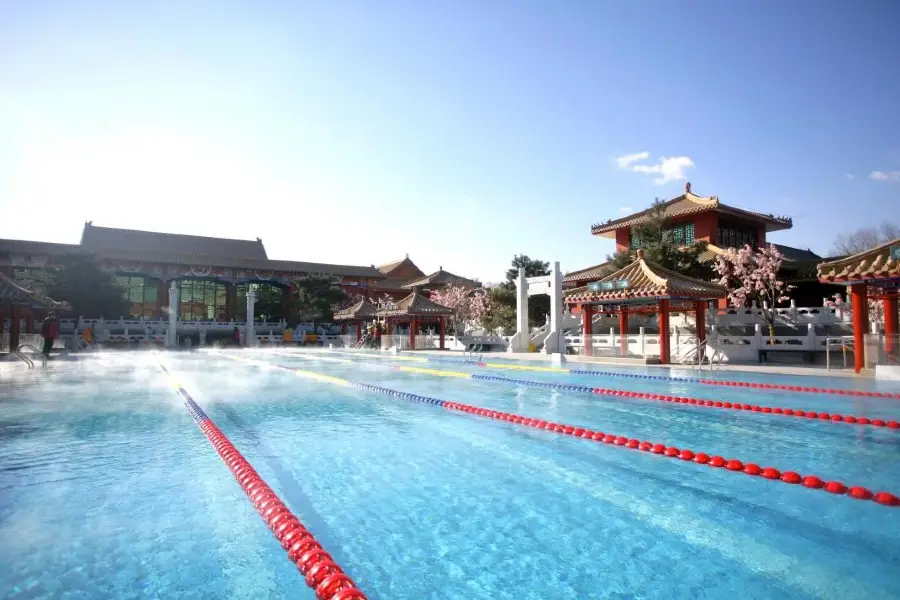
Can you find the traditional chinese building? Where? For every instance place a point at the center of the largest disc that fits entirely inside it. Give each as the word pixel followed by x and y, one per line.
pixel 694 218
pixel 213 275
pixel 870 275
pixel 401 277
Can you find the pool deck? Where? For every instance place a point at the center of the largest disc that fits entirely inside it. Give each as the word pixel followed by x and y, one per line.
pixel 803 370
pixel 10 363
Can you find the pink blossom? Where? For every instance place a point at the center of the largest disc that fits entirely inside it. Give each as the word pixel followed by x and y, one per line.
pixel 876 308
pixel 752 276
pixel 469 306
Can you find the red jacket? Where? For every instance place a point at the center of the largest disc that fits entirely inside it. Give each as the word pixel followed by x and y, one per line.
pixel 50 329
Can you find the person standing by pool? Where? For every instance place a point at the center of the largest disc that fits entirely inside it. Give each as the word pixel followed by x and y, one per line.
pixel 49 331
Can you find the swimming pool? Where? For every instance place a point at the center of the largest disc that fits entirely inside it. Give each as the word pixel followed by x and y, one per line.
pixel 109 489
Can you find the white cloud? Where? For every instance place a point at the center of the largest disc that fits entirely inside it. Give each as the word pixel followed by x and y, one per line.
pixel 669 168
pixel 850 176
pixel 893 176
pixel 626 161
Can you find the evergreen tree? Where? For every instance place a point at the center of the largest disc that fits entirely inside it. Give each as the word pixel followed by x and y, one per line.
pixel 659 247
pixel 91 291
pixel 315 299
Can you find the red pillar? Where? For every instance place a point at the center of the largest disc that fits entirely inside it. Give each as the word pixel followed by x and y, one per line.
pixel 860 306
pixel 441 330
pixel 13 329
pixel 343 327
pixel 359 328
pixel 664 356
pixel 29 322
pixel 700 320
pixel 623 331
pixel 587 323
pixel 412 333
pixel 890 322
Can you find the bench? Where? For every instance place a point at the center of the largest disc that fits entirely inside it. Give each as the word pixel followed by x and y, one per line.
pixel 809 356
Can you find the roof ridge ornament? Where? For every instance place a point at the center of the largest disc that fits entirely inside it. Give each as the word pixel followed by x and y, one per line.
pixel 687 187
pixel 640 252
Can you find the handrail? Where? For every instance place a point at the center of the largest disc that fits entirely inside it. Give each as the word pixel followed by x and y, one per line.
pixel 24 358
pixel 844 343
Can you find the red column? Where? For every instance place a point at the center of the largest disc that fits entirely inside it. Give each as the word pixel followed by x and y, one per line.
pixel 700 320
pixel 13 329
pixel 359 328
pixel 162 298
pixel 343 327
pixel 664 356
pixel 587 323
pixel 441 329
pixel 623 331
pixel 890 322
pixel 29 322
pixel 860 306
pixel 412 333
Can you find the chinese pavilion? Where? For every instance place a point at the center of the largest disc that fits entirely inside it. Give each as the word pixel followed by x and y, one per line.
pixel 644 286
pixel 415 310
pixel 871 275
pixel 694 218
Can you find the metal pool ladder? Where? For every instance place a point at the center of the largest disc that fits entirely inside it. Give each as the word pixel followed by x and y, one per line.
pixel 24 358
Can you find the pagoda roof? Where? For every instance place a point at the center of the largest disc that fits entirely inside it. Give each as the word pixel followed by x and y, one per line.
pixel 880 262
pixel 442 278
pixel 588 273
pixel 414 305
pixel 689 203
pixel 362 310
pixel 389 268
pixel 12 293
pixel 646 280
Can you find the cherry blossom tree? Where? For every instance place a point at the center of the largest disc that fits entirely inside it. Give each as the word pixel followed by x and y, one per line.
pixel 876 308
pixel 751 276
pixel 469 306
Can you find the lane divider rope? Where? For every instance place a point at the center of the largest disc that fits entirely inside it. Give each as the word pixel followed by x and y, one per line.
pixel 592 373
pixel 322 574
pixel 757 408
pixel 700 458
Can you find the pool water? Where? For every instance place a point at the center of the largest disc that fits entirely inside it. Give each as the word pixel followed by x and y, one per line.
pixel 109 489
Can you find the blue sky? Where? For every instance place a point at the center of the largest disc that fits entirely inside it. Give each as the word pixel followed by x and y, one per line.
pixel 458 132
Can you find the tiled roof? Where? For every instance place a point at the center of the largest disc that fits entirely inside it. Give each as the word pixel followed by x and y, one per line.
pixel 876 263
pixel 588 273
pixel 98 239
pixel 29 247
pixel 171 255
pixel 789 253
pixel 393 266
pixel 796 254
pixel 13 293
pixel 648 280
pixel 689 204
pixel 288 266
pixel 441 278
pixel 364 309
pixel 414 305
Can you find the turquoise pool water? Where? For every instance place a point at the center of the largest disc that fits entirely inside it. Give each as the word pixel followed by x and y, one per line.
pixel 108 489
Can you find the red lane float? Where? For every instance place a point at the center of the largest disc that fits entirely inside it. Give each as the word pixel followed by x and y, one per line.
pixel 322 574
pixel 774 410
pixel 700 458
pixel 797 388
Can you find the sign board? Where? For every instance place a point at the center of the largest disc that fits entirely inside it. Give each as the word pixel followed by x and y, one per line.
pixel 895 253
pixel 608 286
